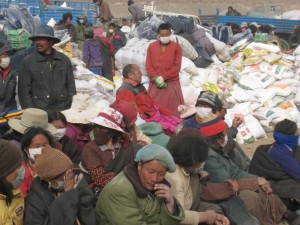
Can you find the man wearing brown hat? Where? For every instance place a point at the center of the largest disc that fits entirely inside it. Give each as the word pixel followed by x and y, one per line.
pixel 46 80
pixel 57 195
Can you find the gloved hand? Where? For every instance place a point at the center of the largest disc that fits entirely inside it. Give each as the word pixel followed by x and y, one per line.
pixel 160 82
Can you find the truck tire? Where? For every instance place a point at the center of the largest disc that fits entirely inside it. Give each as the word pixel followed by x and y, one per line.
pixel 284 44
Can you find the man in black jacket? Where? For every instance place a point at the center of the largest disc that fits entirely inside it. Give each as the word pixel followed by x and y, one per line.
pixel 46 79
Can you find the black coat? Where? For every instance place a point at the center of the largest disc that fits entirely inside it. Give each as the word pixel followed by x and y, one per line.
pixel 8 92
pixel 47 84
pixel 41 208
pixel 282 184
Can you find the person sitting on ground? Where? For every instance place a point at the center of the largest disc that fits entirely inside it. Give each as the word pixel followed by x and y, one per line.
pixel 129 112
pixel 31 117
pixel 56 196
pixel 66 24
pixel 92 52
pixel 11 175
pixel 138 15
pixel 189 153
pixel 232 12
pixel 68 146
pixel 279 162
pixel 132 90
pixel 117 37
pixel 255 192
pixel 140 194
pixel 209 102
pixel 107 153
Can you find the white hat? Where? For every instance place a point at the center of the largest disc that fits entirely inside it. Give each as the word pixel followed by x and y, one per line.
pixel 110 118
pixel 32 117
pixel 255 24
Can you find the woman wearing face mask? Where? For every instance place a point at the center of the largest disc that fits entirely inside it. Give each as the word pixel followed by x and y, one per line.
pixel 33 141
pixel 255 192
pixel 11 175
pixel 107 153
pixel 56 195
pixel 163 64
pixel 8 82
pixel 58 120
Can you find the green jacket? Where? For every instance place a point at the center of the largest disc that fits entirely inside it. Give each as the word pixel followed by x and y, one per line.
pixel 124 201
pixel 220 167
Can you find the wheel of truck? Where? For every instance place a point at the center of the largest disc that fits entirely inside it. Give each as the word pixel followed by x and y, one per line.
pixel 284 44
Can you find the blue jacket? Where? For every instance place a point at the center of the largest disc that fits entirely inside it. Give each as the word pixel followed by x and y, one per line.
pixel 285 158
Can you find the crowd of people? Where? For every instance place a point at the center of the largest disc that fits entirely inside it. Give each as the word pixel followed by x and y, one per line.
pixel 148 158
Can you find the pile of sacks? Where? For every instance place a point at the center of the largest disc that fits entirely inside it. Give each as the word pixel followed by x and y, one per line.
pixel 257 79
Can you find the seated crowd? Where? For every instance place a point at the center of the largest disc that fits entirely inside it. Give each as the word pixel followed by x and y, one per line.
pixel 126 173
pixel 136 162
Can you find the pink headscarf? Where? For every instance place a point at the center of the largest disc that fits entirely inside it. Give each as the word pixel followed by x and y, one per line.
pixel 98 31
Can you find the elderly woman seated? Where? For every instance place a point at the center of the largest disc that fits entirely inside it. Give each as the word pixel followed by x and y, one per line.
pixel 140 194
pixel 56 196
pixel 255 191
pixel 189 152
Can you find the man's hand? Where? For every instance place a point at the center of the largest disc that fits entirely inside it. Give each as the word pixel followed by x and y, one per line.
pixel 265 185
pixel 233 184
pixel 237 121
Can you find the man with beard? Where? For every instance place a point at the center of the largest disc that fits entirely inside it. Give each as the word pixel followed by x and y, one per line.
pixel 46 80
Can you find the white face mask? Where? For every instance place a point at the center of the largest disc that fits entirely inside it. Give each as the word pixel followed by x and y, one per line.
pixel 81 21
pixel 165 40
pixel 5 62
pixel 110 30
pixel 33 152
pixel 60 133
pixel 225 141
pixel 203 112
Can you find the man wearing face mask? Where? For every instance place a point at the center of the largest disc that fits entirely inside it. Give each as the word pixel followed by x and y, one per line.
pixel 81 23
pixel 117 37
pixel 8 82
pixel 255 191
pixel 56 196
pixel 163 64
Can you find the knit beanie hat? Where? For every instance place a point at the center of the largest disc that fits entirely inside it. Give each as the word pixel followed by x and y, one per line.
pixel 51 163
pixel 209 98
pixel 158 153
pixel 212 125
pixel 10 158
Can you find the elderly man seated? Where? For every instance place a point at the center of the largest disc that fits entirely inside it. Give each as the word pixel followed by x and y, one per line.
pixel 133 91
pixel 140 194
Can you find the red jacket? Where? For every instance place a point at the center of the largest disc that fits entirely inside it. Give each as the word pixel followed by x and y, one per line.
pixel 131 91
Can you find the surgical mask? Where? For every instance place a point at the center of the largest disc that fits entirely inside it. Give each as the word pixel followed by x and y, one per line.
pixel 225 141
pixel 5 62
pixel 165 40
pixel 203 111
pixel 81 21
pixel 21 173
pixel 110 30
pixel 60 186
pixel 60 133
pixel 33 152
